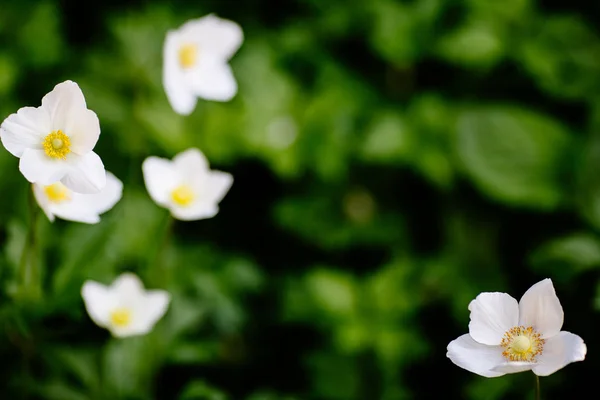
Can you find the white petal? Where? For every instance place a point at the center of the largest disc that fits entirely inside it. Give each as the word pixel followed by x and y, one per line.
pixel 193 212
pixel 86 173
pixel 64 101
pixel 129 289
pixel 540 308
pixel 217 186
pixel 121 332
pixel 160 178
pixel 42 200
pixel 215 36
pixel 37 167
pixel 475 357
pixel 98 302
pixel 511 367
pixel 151 310
pixel 559 351
pixel 85 131
pixel 212 80
pixel 75 211
pixel 68 209
pixel 146 307
pixel 77 216
pixel 25 129
pixel 492 314
pixel 190 163
pixel 103 201
pixel 177 89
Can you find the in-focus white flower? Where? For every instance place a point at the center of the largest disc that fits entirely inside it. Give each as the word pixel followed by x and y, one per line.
pixel 195 62
pixel 186 185
pixel 125 308
pixel 57 200
pixel 55 141
pixel 507 337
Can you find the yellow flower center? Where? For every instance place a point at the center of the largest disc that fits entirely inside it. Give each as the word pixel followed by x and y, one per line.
pixel 57 145
pixel 57 192
pixel 183 195
pixel 188 55
pixel 522 344
pixel 120 317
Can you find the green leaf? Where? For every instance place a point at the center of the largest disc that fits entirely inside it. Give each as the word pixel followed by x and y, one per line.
pixel 40 35
pixel 388 138
pixel 200 390
pixel 80 363
pixel 57 390
pixel 478 43
pixel 194 352
pixel 514 155
pixel 333 291
pixel 129 365
pixel 562 54
pixel 393 34
pixel 567 257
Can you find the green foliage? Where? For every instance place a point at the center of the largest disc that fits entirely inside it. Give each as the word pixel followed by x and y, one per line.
pixel 514 155
pixel 392 159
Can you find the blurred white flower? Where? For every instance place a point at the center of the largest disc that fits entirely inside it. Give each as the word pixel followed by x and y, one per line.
pixel 56 200
pixel 125 308
pixel 507 337
pixel 186 185
pixel 195 62
pixel 55 141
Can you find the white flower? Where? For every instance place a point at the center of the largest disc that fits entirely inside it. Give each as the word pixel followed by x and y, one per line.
pixel 505 337
pixel 55 141
pixel 124 308
pixel 58 200
pixel 195 62
pixel 186 185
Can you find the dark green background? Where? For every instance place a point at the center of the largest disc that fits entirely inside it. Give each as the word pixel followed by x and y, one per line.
pixel 392 159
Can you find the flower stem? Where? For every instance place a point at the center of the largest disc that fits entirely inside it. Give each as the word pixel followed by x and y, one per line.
pixel 159 269
pixel 537 388
pixel 28 269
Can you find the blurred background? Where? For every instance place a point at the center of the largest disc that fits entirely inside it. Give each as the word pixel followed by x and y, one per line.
pixel 392 159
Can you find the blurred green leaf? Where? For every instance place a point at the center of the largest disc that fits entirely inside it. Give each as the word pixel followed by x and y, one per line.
pixel 194 352
pixel 513 155
pixel 568 256
pixel 60 391
pixel 40 36
pixel 333 291
pixel 562 55
pixel 129 365
pixel 477 43
pixel 508 10
pixel 79 363
pixel 335 377
pixel 8 73
pixel 199 390
pixel 388 138
pixel 491 389
pixel 401 32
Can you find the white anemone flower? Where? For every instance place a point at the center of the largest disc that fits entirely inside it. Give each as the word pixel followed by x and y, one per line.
pixel 125 308
pixel 57 200
pixel 55 141
pixel 186 185
pixel 507 337
pixel 195 62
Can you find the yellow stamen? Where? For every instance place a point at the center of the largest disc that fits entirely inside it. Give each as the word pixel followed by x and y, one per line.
pixel 183 195
pixel 522 344
pixel 188 55
pixel 57 145
pixel 57 192
pixel 120 317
